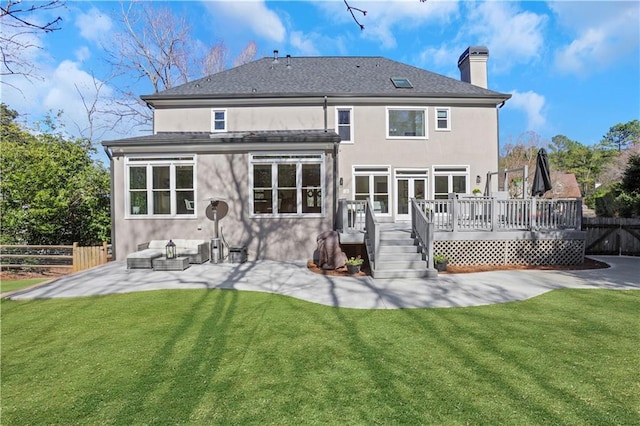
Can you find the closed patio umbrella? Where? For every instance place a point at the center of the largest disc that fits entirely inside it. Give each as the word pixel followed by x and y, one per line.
pixel 542 178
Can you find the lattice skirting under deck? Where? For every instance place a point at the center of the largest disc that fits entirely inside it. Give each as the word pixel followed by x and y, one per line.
pixel 512 252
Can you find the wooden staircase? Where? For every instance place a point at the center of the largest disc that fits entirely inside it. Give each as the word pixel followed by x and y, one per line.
pixel 399 255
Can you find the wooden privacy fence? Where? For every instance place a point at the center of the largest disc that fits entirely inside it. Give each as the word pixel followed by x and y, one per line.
pixel 612 235
pixel 73 257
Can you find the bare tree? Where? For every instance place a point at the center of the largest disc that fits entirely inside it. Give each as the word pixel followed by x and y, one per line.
pixel 247 55
pixel 216 59
pixel 353 10
pixel 154 45
pixel 95 127
pixel 20 26
pixel 517 154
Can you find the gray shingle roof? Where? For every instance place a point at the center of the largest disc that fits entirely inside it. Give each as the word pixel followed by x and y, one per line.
pixel 263 136
pixel 330 76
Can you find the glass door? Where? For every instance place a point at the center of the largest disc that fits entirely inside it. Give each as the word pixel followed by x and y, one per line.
pixel 409 184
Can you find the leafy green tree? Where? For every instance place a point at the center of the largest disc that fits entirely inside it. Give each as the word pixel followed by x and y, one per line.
pixel 585 162
pixel 631 176
pixel 52 191
pixel 622 135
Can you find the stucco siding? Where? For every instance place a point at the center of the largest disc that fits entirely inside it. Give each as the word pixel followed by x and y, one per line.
pixel 240 118
pixel 224 176
pixel 472 141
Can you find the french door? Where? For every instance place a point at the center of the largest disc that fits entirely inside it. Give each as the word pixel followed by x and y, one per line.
pixel 408 184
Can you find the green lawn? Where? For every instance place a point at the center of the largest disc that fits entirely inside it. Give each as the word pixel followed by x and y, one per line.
pixel 7 286
pixel 225 357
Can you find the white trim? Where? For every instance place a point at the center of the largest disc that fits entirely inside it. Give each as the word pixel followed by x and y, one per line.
pixel 407 108
pixel 445 129
pixel 148 162
pixel 370 171
pixel 464 170
pixel 273 159
pixel 411 174
pixel 351 124
pixel 213 120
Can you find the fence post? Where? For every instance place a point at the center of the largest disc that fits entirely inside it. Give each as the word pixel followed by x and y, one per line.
pixel 76 255
pixel 105 256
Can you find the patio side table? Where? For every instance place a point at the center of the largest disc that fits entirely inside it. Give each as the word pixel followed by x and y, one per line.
pixel 164 264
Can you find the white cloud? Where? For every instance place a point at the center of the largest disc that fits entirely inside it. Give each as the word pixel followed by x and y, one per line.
pixel 512 36
pixel 532 104
pixel 82 53
pixel 605 32
pixel 383 18
pixel 303 43
pixel 254 15
pixel 93 24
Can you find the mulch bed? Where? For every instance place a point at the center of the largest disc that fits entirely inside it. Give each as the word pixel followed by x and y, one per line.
pixel 17 274
pixel 453 269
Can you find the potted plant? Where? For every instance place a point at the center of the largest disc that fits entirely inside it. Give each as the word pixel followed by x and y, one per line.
pixel 354 264
pixel 440 261
pixel 477 192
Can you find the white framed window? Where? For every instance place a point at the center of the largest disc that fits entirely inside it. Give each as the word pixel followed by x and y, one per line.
pixel 344 124
pixel 443 119
pixel 160 187
pixel 218 120
pixel 450 179
pixel 407 123
pixel 373 182
pixel 287 185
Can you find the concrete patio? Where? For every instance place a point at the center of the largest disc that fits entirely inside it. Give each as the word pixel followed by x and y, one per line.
pixel 295 280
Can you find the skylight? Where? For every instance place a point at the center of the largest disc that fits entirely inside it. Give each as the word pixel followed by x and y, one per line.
pixel 401 83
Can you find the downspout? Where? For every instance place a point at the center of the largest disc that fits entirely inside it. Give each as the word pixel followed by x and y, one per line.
pixel 498 141
pixel 114 254
pixel 108 152
pixel 335 168
pixel 324 107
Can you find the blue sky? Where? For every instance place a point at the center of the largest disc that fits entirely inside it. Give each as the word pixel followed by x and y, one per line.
pixel 573 67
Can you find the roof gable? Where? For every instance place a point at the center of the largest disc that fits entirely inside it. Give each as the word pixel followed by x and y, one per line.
pixel 324 76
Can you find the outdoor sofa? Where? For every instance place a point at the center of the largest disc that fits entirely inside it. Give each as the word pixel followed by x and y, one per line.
pixel 196 250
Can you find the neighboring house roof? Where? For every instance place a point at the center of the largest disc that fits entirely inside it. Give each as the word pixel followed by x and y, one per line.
pixel 323 76
pixel 565 185
pixel 267 139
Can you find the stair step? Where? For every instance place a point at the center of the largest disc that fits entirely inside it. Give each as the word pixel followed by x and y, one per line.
pixel 400 264
pixel 398 249
pixel 390 257
pixel 397 242
pixel 395 235
pixel 404 273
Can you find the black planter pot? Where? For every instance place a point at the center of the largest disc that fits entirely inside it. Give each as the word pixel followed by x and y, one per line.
pixel 353 269
pixel 441 266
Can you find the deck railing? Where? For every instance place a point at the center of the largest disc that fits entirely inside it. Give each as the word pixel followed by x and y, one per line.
pixel 422 229
pixel 488 214
pixel 351 216
pixel 495 215
pixel 373 233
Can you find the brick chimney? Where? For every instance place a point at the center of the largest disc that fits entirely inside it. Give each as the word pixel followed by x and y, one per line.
pixel 473 66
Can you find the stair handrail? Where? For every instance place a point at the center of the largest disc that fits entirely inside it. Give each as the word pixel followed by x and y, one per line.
pixel 372 233
pixel 422 228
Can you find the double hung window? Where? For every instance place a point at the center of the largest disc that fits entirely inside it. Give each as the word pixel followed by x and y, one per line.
pixel 406 123
pixel 160 186
pixel 219 120
pixel 443 118
pixel 344 124
pixel 287 184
